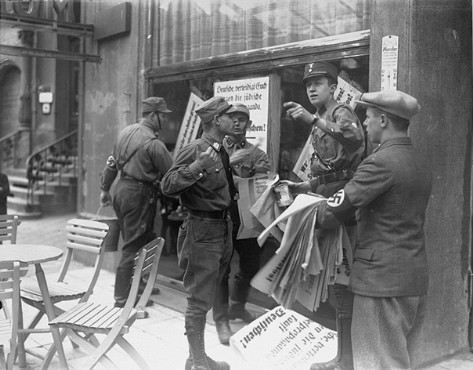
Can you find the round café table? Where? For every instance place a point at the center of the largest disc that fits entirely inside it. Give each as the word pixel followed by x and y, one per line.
pixel 36 254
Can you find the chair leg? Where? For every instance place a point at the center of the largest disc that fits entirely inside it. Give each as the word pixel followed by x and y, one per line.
pixel 3 364
pixel 133 353
pixel 105 346
pixel 33 323
pixel 52 350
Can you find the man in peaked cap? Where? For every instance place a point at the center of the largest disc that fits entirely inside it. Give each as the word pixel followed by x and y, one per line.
pixel 201 177
pixel 142 159
pixel 339 143
pixel 389 193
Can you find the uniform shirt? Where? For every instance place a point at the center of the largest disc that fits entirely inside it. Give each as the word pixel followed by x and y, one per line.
pixel 148 164
pixel 341 145
pixel 255 160
pixel 390 191
pixel 199 189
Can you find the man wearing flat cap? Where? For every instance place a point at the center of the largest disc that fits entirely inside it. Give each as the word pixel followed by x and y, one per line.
pixel 201 176
pixel 142 159
pixel 339 143
pixel 389 194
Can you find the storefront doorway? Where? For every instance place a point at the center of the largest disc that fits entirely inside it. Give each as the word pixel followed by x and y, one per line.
pixel 285 137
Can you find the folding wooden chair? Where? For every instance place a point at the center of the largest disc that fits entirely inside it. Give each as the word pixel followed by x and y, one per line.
pixel 10 273
pixel 8 230
pixel 87 319
pixel 83 235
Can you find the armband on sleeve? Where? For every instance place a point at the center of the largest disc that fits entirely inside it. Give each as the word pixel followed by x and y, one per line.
pixel 109 174
pixel 335 211
pixel 111 162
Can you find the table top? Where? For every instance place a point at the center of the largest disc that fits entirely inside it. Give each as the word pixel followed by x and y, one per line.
pixel 29 253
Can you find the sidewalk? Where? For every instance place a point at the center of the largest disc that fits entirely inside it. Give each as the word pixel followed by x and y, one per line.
pixel 160 338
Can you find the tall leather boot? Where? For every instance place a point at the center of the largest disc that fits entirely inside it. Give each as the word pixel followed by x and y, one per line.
pixel 344 358
pixel 198 359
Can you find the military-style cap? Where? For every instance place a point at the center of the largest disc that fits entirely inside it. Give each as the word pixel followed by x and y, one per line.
pixel 154 104
pixel 212 107
pixel 392 101
pixel 239 107
pixel 319 69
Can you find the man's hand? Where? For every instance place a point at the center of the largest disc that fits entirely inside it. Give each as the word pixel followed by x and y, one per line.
pixel 105 198
pixel 208 158
pixel 298 112
pixel 297 187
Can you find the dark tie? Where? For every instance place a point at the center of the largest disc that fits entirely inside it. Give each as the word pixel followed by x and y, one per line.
pixel 228 171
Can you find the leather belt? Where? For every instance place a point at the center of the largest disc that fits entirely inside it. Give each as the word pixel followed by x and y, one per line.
pixel 334 176
pixel 128 177
pixel 216 215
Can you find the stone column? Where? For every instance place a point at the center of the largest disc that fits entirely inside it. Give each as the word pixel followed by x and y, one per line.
pixel 435 66
pixel 23 149
pixel 26 38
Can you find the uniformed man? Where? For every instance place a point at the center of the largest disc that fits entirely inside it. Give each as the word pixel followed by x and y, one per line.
pixel 390 191
pixel 339 143
pixel 201 176
pixel 246 160
pixel 142 159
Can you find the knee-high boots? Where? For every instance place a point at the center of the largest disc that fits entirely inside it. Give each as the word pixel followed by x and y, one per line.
pixel 198 359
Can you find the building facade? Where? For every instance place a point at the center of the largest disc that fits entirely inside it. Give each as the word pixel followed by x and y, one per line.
pixel 184 50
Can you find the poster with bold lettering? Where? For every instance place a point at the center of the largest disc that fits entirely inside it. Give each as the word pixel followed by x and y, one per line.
pixel 282 339
pixel 254 93
pixel 190 124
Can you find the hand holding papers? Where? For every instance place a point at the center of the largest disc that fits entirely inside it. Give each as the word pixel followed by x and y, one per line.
pixel 307 260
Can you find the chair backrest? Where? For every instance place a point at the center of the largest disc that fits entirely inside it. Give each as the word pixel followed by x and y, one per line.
pixel 88 236
pixel 8 228
pixel 10 274
pixel 146 261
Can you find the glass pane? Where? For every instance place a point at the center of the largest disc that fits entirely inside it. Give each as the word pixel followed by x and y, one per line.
pixel 186 30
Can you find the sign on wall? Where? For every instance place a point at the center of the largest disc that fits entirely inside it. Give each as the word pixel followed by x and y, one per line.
pixel 389 57
pixel 190 124
pixel 254 93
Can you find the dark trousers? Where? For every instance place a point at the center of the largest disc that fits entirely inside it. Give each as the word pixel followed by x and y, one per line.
pixel 135 205
pixel 249 253
pixel 204 249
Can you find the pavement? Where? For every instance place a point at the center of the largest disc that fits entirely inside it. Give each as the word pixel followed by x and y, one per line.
pixel 160 338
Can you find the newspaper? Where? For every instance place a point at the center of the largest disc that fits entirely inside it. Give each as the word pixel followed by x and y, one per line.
pixel 282 339
pixel 250 190
pixel 307 260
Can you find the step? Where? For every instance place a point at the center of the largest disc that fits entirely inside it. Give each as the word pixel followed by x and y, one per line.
pixel 17 206
pixel 20 192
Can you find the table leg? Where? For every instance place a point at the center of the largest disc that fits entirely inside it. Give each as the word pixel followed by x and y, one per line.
pixel 21 341
pixel 48 307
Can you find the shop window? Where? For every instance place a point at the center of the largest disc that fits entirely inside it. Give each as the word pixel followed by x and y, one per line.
pixel 292 134
pixel 227 26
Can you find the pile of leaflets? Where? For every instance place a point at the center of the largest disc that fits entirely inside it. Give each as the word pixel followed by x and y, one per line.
pixel 307 260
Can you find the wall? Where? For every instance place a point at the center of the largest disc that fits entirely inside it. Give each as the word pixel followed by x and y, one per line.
pixel 110 99
pixel 435 67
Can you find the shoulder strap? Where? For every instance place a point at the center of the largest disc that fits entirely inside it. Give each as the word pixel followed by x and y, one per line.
pixel 134 151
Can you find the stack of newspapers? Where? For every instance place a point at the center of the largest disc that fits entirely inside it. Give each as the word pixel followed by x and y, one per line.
pixel 307 260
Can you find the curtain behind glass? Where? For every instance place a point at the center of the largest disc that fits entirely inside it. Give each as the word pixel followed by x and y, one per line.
pixel 194 29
